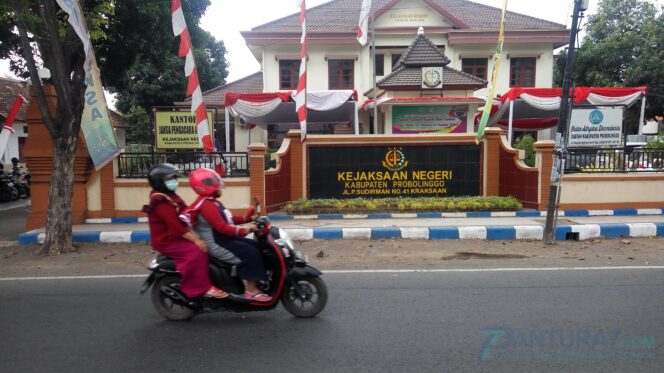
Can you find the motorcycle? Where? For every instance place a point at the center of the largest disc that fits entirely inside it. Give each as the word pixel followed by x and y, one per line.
pixel 21 180
pixel 291 280
pixel 8 191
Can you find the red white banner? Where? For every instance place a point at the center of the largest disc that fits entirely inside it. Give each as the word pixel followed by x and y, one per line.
pixel 193 86
pixel 301 95
pixel 7 130
pixel 363 25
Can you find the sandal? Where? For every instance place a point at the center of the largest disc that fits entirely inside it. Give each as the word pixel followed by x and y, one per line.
pixel 258 297
pixel 216 293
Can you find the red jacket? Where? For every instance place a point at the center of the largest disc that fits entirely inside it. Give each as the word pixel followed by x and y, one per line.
pixel 165 226
pixel 210 208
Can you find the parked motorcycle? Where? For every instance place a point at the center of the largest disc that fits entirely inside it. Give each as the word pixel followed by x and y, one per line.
pixel 21 180
pixel 8 191
pixel 291 279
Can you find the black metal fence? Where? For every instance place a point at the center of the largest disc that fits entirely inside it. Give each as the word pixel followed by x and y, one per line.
pixel 614 160
pixel 136 165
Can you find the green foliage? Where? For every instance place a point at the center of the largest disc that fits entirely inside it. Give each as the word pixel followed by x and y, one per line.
pixel 656 143
pixel 526 143
pixel 420 204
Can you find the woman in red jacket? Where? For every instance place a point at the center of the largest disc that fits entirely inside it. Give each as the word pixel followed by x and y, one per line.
pixel 217 226
pixel 172 237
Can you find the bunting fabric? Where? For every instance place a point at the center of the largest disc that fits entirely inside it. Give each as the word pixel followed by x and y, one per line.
pixel 363 25
pixel 494 75
pixel 7 130
pixel 301 93
pixel 193 86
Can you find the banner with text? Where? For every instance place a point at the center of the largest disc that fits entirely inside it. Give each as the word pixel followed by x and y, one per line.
pixel 177 130
pixel 598 127
pixel 384 171
pixel 429 119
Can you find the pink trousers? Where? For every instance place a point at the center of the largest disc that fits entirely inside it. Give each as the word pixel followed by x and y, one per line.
pixel 192 263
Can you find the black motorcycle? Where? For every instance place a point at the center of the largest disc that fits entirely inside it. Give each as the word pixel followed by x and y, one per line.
pixel 8 191
pixel 21 180
pixel 291 279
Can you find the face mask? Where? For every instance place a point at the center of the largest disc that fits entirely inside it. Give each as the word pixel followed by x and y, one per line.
pixel 171 185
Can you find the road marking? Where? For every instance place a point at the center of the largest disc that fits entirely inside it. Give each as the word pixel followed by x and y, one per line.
pixel 360 271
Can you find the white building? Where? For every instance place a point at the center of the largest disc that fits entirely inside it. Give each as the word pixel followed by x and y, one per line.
pixel 464 32
pixel 9 91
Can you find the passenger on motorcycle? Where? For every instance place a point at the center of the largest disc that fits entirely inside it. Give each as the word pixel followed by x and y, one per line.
pixel 225 240
pixel 173 238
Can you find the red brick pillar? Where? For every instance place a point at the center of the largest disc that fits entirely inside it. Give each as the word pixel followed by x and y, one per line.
pixel 107 188
pixel 544 162
pixel 257 172
pixel 298 173
pixel 492 161
pixel 38 152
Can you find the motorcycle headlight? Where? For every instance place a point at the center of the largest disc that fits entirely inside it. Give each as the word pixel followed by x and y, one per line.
pixel 285 240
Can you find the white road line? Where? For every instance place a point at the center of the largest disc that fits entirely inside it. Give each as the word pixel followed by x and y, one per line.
pixel 361 271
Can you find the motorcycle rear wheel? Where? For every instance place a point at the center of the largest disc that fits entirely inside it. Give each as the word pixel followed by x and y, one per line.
pixel 164 305
pixel 313 302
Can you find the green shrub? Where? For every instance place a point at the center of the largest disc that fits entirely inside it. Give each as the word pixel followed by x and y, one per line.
pixel 656 143
pixel 421 204
pixel 526 142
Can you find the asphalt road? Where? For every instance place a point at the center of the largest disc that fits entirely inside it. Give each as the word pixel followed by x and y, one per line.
pixel 12 222
pixel 516 321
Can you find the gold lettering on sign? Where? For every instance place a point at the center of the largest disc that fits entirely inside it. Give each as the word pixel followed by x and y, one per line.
pixel 409 17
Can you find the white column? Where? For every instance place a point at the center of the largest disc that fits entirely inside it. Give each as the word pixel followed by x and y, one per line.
pixel 509 127
pixel 643 114
pixel 357 121
pixel 227 128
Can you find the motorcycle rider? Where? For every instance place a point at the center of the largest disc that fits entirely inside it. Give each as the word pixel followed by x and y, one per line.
pixel 172 237
pixel 216 225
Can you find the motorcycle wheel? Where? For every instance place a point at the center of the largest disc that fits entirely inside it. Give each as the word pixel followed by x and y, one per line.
pixel 14 194
pixel 164 305
pixel 313 301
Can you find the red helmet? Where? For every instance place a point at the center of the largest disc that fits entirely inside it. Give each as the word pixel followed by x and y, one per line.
pixel 205 181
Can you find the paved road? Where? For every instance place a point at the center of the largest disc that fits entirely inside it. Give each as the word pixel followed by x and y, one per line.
pixel 12 222
pixel 581 320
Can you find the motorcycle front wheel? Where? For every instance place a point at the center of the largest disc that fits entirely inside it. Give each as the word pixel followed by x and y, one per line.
pixel 311 299
pixel 166 306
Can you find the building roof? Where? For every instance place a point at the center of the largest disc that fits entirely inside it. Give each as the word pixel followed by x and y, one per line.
pixel 423 53
pixel 250 83
pixel 119 121
pixel 9 90
pixel 342 16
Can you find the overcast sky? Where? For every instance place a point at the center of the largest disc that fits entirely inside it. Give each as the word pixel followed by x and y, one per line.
pixel 225 19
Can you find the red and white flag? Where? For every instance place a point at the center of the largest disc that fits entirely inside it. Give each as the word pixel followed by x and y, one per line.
pixel 193 86
pixel 301 93
pixel 363 25
pixel 7 130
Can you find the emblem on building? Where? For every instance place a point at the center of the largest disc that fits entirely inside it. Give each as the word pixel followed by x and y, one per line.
pixel 432 77
pixel 395 160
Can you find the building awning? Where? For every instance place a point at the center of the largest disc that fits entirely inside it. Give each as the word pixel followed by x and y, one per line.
pixel 429 100
pixel 537 108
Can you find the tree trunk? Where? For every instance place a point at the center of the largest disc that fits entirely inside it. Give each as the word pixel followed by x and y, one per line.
pixel 59 219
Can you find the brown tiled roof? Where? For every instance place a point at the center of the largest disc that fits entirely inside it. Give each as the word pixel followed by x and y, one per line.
pixel 422 52
pixel 411 77
pixel 342 16
pixel 118 121
pixel 250 83
pixel 9 90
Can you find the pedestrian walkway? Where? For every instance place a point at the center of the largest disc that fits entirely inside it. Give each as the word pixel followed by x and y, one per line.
pixel 478 228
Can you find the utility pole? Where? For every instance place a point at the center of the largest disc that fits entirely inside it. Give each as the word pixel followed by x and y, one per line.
pixel 561 132
pixel 373 53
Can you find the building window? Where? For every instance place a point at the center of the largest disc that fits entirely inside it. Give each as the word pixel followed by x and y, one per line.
pixel 289 74
pixel 522 72
pixel 475 66
pixel 395 59
pixel 341 74
pixel 380 64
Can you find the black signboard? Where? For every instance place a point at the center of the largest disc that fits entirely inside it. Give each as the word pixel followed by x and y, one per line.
pixel 394 171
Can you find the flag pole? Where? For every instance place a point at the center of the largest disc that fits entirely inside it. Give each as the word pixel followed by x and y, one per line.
pixel 373 52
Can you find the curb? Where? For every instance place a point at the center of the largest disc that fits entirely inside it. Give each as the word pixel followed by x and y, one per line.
pixel 493 232
pixel 424 215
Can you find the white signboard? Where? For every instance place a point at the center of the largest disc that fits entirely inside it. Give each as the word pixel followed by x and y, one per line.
pixel 432 77
pixel 596 127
